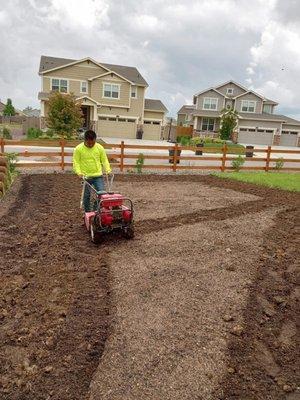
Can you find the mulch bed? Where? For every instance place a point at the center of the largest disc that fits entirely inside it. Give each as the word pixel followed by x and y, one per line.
pixel 56 310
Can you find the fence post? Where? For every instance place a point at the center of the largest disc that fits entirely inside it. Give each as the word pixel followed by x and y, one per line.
pixel 122 156
pixel 224 151
pixel 2 145
pixel 175 157
pixel 268 159
pixel 62 147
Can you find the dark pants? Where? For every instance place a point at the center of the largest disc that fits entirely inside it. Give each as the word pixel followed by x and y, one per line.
pixel 98 184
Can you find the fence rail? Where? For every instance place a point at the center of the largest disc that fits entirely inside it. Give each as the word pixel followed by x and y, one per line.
pixel 172 161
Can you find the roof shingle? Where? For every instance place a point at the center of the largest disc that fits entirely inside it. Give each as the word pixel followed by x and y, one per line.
pixel 130 73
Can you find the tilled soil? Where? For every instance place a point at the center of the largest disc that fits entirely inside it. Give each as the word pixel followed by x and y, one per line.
pixel 203 304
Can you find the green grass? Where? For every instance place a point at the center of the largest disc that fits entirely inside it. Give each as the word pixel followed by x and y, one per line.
pixel 278 180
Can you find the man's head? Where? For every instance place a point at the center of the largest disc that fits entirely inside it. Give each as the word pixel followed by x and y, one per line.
pixel 90 138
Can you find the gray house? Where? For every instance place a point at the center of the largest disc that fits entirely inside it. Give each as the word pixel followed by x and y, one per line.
pixel 257 123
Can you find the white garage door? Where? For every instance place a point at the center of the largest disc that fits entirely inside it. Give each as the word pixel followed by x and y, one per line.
pixel 118 128
pixel 251 136
pixel 152 130
pixel 288 138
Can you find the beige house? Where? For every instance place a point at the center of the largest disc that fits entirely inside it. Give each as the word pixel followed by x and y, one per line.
pixel 112 97
pixel 257 123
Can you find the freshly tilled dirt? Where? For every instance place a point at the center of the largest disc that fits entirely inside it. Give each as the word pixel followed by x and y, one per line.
pixel 203 304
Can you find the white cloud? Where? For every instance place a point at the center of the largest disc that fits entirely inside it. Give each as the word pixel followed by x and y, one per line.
pixel 179 47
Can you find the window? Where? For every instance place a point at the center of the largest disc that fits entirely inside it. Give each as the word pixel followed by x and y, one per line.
pixel 121 119
pixel 210 103
pixel 229 91
pixel 147 122
pixel 102 118
pixel 248 106
pixel 208 124
pixel 112 119
pixel 269 130
pixel 130 120
pixel 267 109
pixel 111 91
pixel 134 92
pixel 156 123
pixel 59 85
pixel 83 87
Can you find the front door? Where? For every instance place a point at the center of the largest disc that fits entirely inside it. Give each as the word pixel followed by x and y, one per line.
pixel 86 116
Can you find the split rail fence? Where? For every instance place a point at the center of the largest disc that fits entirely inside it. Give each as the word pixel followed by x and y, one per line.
pixel 121 158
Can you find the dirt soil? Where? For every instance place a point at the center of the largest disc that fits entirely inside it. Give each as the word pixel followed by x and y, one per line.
pixel 202 304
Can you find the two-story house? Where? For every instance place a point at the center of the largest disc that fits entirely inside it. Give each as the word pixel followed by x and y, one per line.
pixel 257 123
pixel 112 97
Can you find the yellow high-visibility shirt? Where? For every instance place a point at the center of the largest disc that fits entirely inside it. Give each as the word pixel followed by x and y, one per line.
pixel 90 161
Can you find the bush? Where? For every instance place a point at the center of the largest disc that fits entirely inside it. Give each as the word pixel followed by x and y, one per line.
pixel 139 163
pixel 11 159
pixel 184 140
pixel 5 133
pixel 34 133
pixel 237 163
pixel 279 164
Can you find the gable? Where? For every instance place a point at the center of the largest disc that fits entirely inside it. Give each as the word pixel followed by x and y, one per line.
pixel 83 70
pixel 237 90
pixel 249 96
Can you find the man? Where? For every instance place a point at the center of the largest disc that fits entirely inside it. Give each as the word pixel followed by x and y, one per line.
pixel 89 160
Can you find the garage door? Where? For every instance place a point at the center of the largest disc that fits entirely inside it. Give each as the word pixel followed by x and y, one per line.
pixel 111 127
pixel 288 138
pixel 261 136
pixel 152 131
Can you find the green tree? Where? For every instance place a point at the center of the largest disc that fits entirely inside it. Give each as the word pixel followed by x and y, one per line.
pixel 9 110
pixel 65 115
pixel 229 119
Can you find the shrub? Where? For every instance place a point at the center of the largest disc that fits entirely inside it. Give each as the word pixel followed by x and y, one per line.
pixel 183 140
pixel 34 133
pixel 196 140
pixel 11 158
pixel 139 163
pixel 237 163
pixel 279 164
pixel 5 133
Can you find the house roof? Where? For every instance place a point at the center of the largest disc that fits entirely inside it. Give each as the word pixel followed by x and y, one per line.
pixel 130 73
pixel 290 121
pixel 235 83
pixel 268 101
pixel 262 117
pixel 154 105
pixel 206 113
pixel 187 109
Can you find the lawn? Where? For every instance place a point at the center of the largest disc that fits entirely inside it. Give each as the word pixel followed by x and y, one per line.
pixel 285 181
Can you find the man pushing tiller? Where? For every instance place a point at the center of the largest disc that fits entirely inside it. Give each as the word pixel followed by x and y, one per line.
pixel 89 161
pixel 112 212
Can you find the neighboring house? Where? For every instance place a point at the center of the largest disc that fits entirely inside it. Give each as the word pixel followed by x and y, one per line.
pixel 32 112
pixel 112 97
pixel 257 123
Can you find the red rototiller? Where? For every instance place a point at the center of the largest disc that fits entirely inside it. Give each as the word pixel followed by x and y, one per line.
pixel 112 212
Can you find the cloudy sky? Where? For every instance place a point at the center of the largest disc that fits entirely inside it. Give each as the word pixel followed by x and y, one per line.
pixel 180 47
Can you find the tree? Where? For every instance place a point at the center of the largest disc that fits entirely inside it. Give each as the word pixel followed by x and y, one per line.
pixel 65 115
pixel 229 119
pixel 9 110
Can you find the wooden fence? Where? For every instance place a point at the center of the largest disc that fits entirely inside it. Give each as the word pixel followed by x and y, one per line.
pixel 120 156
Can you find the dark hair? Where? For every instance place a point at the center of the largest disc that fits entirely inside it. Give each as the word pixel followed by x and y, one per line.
pixel 90 135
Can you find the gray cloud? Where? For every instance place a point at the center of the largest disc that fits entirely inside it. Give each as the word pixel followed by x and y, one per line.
pixel 180 47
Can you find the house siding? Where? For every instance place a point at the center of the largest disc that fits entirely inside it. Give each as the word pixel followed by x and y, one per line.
pixel 249 96
pixel 290 127
pixel 259 124
pixel 79 71
pixel 97 91
pixel 213 94
pixel 114 111
pixel 152 114
pixel 236 89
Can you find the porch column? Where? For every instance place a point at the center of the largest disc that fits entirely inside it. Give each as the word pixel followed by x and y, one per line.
pixel 195 122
